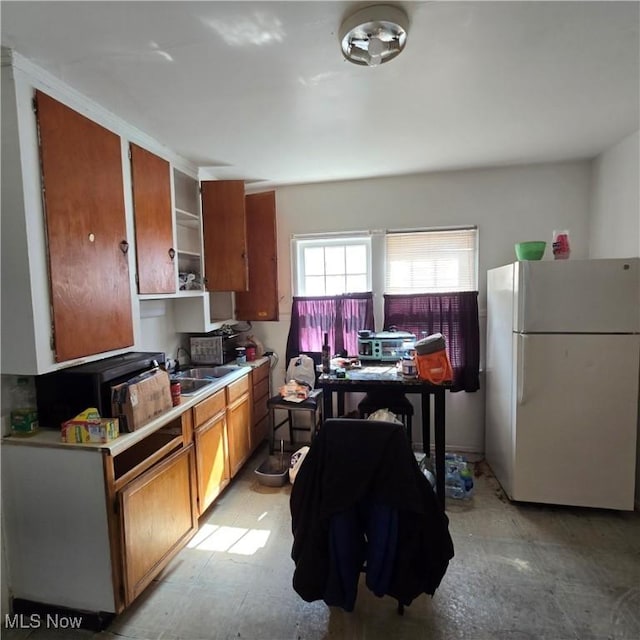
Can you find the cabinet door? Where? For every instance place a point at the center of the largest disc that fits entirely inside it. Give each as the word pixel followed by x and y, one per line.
pixel 212 461
pixel 86 232
pixel 225 235
pixel 261 301
pixel 239 433
pixel 158 515
pixel 151 185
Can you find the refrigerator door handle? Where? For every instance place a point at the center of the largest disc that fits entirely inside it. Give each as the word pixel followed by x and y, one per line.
pixel 520 372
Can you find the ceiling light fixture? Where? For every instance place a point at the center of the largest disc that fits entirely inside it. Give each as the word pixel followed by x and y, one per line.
pixel 374 35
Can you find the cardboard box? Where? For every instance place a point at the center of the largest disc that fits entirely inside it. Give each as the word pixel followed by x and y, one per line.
pixel 141 399
pixel 91 430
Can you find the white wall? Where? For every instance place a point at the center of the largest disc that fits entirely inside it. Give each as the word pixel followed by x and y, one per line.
pixel 615 217
pixel 507 204
pixel 614 230
pixel 157 328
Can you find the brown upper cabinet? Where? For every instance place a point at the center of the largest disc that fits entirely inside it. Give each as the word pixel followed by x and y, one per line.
pixel 83 189
pixel 155 254
pixel 225 235
pixel 261 301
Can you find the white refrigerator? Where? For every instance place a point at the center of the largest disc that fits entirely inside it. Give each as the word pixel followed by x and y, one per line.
pixel 562 372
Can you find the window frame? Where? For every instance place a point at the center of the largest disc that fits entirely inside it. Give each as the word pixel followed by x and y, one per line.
pixel 301 242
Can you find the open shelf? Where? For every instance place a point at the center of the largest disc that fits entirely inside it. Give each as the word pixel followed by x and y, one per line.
pixel 143 455
pixel 187 218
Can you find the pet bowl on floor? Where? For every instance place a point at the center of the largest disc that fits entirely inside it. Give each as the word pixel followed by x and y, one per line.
pixel 274 471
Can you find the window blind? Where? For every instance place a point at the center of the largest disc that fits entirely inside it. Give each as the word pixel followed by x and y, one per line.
pixel 431 261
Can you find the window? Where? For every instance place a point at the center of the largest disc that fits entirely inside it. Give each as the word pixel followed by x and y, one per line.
pixel 329 266
pixel 429 279
pixel 435 261
pixel 431 287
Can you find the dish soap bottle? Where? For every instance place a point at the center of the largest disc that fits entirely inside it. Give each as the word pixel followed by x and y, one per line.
pixel 326 355
pixel 24 414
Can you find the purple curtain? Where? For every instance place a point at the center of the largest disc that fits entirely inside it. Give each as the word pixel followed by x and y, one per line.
pixel 339 316
pixel 455 316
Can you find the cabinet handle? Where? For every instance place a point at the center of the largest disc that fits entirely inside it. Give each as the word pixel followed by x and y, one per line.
pixel 124 246
pixel 172 253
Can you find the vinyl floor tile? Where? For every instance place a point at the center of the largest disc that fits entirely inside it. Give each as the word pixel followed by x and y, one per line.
pixel 157 609
pixel 598 612
pixel 520 572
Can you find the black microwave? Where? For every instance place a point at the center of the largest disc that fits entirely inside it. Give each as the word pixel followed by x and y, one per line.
pixel 63 394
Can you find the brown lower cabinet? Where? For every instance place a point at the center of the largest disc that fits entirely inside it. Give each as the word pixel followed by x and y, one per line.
pixel 157 518
pixel 238 424
pixel 99 523
pixel 152 487
pixel 212 457
pixel 260 409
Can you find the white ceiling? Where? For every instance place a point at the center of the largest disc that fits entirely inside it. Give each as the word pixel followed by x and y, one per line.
pixel 261 91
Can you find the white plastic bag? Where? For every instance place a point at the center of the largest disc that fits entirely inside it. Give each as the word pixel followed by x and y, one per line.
pixel 384 415
pixel 296 461
pixel 302 370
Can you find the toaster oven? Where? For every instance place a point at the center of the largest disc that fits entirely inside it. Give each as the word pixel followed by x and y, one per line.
pixel 213 348
pixel 386 346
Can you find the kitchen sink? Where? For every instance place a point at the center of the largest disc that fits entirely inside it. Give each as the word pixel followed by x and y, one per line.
pixel 190 386
pixel 205 373
pixel 195 379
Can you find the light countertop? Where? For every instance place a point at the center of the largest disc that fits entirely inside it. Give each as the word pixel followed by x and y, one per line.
pixel 51 437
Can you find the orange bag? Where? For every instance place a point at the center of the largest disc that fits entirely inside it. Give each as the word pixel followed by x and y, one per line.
pixel 432 360
pixel 435 367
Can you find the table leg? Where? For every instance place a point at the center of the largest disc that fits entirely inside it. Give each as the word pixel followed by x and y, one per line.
pixel 272 427
pixel 440 444
pixel 426 423
pixel 340 403
pixel 327 400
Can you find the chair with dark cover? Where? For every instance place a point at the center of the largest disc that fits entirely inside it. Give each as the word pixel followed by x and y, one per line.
pixel 360 503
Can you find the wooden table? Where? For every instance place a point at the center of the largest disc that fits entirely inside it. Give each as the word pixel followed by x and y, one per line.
pixel 374 378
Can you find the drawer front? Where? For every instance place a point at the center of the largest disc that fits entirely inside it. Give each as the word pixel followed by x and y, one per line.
pixel 260 373
pixel 237 389
pixel 261 389
pixel 210 407
pixel 260 408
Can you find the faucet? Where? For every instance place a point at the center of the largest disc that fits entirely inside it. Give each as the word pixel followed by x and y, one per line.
pixel 178 364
